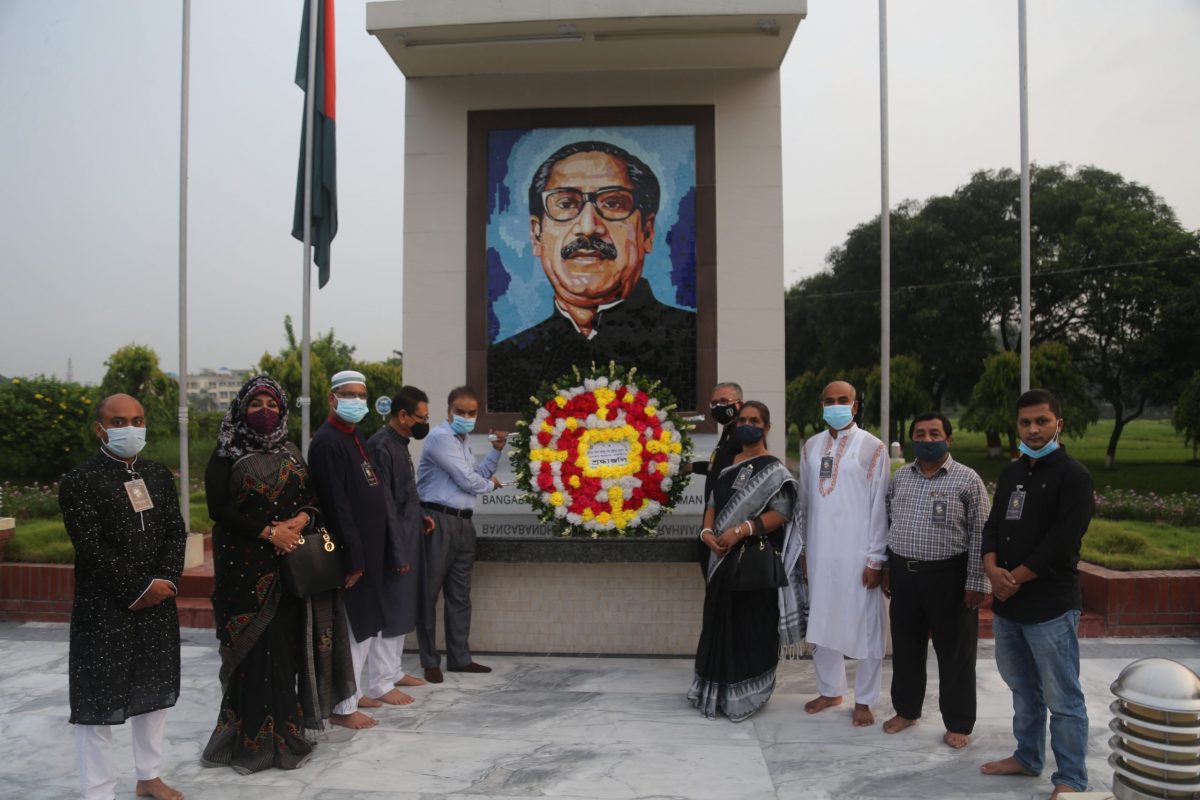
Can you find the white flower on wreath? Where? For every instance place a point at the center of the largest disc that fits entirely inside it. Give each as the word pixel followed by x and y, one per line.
pixel 590 385
pixel 541 416
pixel 666 484
pixel 606 484
pixel 560 511
pixel 602 381
pixel 602 496
pixel 575 519
pixel 556 467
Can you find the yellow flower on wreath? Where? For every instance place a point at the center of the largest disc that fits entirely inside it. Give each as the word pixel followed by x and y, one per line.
pixel 556 499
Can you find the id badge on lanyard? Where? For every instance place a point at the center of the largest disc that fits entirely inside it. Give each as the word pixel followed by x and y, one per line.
pixel 1016 504
pixel 826 467
pixel 938 511
pixel 139 495
pixel 369 472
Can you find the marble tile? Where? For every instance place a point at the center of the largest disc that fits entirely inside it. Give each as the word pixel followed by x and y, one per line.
pixel 562 728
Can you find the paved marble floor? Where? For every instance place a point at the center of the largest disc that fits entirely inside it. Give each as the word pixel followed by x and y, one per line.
pixel 558 728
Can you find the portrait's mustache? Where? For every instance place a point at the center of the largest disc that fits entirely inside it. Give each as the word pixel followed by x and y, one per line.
pixel 592 243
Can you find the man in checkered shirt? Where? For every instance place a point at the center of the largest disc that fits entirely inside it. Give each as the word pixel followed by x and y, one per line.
pixel 936 511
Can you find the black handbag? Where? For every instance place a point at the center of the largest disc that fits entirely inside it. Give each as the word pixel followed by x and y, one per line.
pixel 758 566
pixel 315 566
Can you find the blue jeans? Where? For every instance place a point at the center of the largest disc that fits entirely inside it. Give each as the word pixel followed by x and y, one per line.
pixel 1040 664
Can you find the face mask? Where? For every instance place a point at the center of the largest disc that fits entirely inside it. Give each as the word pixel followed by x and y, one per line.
pixel 125 442
pixel 931 452
pixel 462 425
pixel 723 415
pixel 1050 447
pixel 351 409
pixel 748 434
pixel 419 430
pixel 262 421
pixel 838 417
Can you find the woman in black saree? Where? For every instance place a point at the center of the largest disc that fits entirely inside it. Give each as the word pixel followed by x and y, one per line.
pixel 740 641
pixel 285 661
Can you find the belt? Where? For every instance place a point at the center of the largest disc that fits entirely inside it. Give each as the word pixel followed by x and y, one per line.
pixel 461 513
pixel 912 565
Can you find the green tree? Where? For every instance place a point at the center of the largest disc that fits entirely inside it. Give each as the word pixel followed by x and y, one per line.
pixel 803 401
pixel 134 370
pixel 909 396
pixel 47 427
pixel 1187 413
pixel 993 404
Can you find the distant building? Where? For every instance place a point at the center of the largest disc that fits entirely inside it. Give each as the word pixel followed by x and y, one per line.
pixel 214 388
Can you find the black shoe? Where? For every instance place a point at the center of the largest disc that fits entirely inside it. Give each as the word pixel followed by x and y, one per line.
pixel 433 675
pixel 472 667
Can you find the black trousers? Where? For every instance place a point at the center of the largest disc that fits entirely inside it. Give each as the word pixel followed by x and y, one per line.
pixel 930 604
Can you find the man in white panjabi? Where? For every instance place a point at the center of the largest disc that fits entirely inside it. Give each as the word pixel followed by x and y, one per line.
pixel 844 476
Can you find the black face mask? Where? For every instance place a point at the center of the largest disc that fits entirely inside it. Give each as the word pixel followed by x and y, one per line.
pixel 420 430
pixel 723 415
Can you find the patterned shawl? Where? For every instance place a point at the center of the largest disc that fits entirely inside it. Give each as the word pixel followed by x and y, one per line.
pixel 236 438
pixel 765 481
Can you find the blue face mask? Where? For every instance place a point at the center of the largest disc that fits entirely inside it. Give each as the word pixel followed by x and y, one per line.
pixel 125 442
pixel 462 425
pixel 1043 452
pixel 748 434
pixel 931 452
pixel 838 417
pixel 351 409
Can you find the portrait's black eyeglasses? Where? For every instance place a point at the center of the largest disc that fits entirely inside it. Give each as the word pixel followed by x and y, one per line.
pixel 612 203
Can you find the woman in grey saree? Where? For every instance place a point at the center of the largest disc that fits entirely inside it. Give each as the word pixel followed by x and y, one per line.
pixel 740 641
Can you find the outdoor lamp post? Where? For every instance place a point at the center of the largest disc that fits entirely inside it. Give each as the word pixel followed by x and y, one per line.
pixel 1156 727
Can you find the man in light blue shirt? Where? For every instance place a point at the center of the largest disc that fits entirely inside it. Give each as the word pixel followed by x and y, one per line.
pixel 448 480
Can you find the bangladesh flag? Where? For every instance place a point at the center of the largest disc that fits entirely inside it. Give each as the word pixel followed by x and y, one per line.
pixel 324 169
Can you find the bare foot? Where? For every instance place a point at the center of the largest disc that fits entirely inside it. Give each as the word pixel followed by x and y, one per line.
pixel 1006 766
pixel 356 721
pixel 394 697
pixel 410 680
pixel 819 704
pixel 1059 789
pixel 157 789
pixel 369 702
pixel 956 740
pixel 897 724
pixel 862 716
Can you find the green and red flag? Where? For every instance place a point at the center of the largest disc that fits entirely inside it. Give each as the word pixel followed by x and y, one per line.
pixel 324 154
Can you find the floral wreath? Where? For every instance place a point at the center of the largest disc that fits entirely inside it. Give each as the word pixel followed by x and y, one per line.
pixel 603 456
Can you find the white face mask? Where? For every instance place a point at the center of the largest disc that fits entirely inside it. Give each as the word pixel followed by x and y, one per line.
pixel 125 442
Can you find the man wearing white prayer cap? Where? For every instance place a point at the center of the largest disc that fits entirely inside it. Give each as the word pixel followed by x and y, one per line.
pixel 354 503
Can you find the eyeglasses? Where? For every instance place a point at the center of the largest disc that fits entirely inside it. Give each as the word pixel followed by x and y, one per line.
pixel 612 203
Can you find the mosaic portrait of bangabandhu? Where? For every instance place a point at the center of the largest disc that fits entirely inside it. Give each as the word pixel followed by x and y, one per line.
pixel 590 255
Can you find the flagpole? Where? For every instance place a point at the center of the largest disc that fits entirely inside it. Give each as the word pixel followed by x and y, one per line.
pixel 309 106
pixel 185 506
pixel 1026 278
pixel 885 242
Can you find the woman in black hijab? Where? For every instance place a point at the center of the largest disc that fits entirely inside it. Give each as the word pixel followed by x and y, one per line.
pixel 285 661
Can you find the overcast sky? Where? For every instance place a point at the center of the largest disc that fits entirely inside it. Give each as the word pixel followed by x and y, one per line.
pixel 89 158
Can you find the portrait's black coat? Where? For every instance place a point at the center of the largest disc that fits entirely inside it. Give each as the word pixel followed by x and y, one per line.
pixel 641 332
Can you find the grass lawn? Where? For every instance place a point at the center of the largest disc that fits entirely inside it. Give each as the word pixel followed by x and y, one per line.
pixel 1128 545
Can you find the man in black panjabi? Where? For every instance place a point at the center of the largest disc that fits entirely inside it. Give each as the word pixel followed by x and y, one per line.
pixel 592 209
pixel 122 515
pixel 388 448
pixel 356 508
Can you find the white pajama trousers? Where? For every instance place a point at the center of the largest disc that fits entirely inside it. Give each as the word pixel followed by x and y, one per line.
pixel 381 656
pixel 831 675
pixel 93 749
